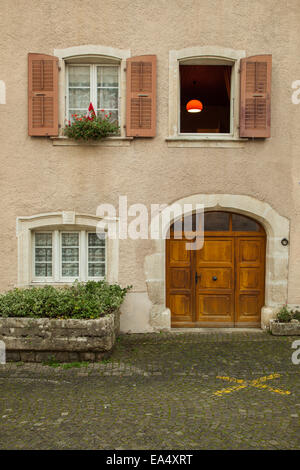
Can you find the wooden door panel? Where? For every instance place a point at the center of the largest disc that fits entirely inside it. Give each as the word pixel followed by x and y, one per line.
pixel 250 272
pixel 180 281
pixel 249 252
pixel 180 278
pixel 230 272
pixel 207 278
pixel 179 255
pixel 216 251
pixel 249 306
pixel 249 278
pixel 215 287
pixel 180 306
pixel 214 307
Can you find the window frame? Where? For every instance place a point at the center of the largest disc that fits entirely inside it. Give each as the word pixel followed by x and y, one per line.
pixel 204 55
pixel 91 53
pixel 57 277
pixel 93 85
pixel 209 61
pixel 90 278
pixel 42 278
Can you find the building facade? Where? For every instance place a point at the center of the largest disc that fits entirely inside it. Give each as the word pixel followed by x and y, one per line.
pixel 141 63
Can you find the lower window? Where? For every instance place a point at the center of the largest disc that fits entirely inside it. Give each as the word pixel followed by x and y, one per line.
pixel 64 256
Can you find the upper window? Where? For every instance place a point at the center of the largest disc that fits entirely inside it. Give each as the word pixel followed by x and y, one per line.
pixel 205 99
pixel 93 83
pixel 219 221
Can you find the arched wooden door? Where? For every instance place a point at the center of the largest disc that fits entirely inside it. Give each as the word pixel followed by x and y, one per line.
pixel 222 284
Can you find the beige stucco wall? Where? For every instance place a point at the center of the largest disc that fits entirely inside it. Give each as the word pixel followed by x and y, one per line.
pixel 37 177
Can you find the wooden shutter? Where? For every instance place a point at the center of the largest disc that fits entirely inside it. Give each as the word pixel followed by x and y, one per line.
pixel 255 99
pixel 141 96
pixel 42 95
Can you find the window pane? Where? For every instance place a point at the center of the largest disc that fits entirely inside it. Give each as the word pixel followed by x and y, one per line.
pixel 79 98
pixel 216 221
pixel 107 98
pixel 43 239
pixel 241 223
pixel 96 239
pixel 96 270
pixel 96 254
pixel 43 270
pixel 43 254
pixel 79 76
pixel 70 239
pixel 70 254
pixel 113 115
pixel 70 270
pixel 107 76
pixel 79 113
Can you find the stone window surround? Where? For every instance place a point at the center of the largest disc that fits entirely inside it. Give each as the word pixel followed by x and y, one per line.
pixel 276 226
pixel 206 55
pixel 84 51
pixel 66 220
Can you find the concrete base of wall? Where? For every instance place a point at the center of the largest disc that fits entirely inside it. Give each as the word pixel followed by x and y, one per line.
pixel 135 313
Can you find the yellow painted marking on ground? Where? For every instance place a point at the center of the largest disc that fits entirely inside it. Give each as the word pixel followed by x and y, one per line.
pixel 229 390
pixel 257 383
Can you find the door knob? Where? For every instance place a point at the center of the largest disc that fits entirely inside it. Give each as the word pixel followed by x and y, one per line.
pixel 214 278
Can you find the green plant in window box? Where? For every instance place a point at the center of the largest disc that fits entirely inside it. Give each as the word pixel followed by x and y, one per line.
pixel 284 315
pixel 93 127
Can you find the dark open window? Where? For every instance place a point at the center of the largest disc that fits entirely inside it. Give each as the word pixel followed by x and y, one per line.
pixel 209 84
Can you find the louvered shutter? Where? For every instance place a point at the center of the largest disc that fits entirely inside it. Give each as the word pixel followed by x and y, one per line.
pixel 141 96
pixel 42 95
pixel 255 99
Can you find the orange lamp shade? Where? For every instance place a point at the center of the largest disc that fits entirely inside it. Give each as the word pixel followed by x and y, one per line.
pixel 194 106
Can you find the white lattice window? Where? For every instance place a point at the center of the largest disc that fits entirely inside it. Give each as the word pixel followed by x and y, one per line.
pixel 93 83
pixel 63 256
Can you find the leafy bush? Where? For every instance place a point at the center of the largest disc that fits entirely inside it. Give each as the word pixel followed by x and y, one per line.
pixel 90 300
pixel 296 315
pixel 284 315
pixel 86 128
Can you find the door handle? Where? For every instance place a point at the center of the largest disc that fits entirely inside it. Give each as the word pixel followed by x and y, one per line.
pixel 214 278
pixel 197 276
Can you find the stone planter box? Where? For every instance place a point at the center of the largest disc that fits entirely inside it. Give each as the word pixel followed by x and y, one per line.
pixel 41 339
pixel 285 329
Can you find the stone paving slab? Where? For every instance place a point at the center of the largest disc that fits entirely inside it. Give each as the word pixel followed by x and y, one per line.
pixel 159 391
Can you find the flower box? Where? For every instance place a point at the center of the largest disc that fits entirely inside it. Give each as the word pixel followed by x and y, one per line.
pixel 67 340
pixel 291 328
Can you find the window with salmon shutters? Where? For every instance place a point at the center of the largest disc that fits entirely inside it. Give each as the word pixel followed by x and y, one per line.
pixel 42 95
pixel 255 100
pixel 141 96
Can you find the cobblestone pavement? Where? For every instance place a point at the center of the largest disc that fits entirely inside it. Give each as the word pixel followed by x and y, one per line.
pixel 159 391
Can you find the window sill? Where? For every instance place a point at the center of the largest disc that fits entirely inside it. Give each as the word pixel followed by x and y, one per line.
pixel 66 283
pixel 107 142
pixel 205 141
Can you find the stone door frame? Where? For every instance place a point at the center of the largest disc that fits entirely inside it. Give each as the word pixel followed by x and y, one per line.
pixel 277 228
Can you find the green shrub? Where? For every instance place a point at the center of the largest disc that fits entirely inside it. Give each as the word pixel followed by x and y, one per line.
pixel 284 315
pixel 296 315
pixel 83 128
pixel 90 300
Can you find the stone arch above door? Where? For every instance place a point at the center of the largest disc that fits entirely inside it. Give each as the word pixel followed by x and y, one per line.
pixel 276 226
